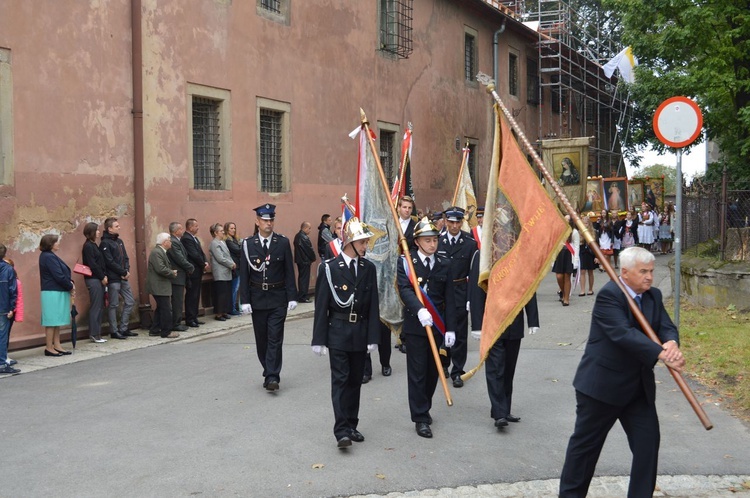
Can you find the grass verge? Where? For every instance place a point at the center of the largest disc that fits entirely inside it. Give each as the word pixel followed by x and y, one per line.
pixel 716 345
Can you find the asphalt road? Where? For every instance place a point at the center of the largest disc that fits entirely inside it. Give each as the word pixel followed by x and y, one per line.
pixel 190 418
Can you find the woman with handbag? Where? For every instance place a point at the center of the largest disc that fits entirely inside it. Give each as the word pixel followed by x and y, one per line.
pixel 96 280
pixel 57 290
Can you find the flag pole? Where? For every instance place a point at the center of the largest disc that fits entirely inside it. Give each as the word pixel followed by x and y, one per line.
pixel 460 173
pixel 402 169
pixel 589 237
pixel 405 251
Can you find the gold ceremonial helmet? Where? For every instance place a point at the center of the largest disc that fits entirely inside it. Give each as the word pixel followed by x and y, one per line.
pixel 356 230
pixel 425 228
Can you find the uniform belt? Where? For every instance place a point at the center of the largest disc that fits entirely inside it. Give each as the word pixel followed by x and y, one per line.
pixel 266 286
pixel 352 317
pixel 460 280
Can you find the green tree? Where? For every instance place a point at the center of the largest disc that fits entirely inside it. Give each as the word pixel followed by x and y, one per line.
pixel 657 171
pixel 698 49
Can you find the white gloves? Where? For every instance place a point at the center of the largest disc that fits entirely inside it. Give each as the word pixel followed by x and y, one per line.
pixel 450 339
pixel 468 305
pixel 245 309
pixel 371 348
pixel 477 334
pixel 292 305
pixel 320 350
pixel 532 330
pixel 424 317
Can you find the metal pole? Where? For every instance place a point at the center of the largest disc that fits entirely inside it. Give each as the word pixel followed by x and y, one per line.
pixel 677 241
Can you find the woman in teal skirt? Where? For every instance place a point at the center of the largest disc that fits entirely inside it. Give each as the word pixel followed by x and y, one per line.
pixel 57 289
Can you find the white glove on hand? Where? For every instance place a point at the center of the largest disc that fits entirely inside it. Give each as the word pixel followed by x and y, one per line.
pixel 371 348
pixel 450 339
pixel 424 317
pixel 468 305
pixel 477 334
pixel 319 350
pixel 245 309
pixel 533 330
pixel 292 305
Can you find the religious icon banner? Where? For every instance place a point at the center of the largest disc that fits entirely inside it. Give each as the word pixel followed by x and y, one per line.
pixel 568 160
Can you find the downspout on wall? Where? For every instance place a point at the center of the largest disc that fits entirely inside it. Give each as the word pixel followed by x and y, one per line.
pixel 144 304
pixel 495 42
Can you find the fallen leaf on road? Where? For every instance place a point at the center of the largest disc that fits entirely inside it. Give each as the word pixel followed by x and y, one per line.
pixel 318 466
pixel 380 476
pixel 564 343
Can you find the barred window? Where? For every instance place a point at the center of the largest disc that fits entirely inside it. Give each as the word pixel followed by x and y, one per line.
pixel 272 5
pixel 395 27
pixel 513 74
pixel 470 57
pixel 387 158
pixel 206 144
pixel 270 162
pixel 532 82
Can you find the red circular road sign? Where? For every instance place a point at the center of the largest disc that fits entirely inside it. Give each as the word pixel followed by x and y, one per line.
pixel 678 122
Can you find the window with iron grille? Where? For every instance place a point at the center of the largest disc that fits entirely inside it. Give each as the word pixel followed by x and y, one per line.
pixel 272 5
pixel 395 27
pixel 206 144
pixel 513 74
pixel 271 160
pixel 387 158
pixel 532 82
pixel 470 57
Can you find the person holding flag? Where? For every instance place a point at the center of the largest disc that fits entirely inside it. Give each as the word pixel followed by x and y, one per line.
pixel 435 282
pixel 347 323
pixel 457 247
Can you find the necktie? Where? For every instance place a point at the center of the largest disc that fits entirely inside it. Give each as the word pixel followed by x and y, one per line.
pixel 638 300
pixel 353 269
pixel 265 246
pixel 427 262
pixel 453 241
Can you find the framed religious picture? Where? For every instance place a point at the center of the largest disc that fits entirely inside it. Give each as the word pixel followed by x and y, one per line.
pixel 635 194
pixel 594 196
pixel 653 192
pixel 567 168
pixel 615 191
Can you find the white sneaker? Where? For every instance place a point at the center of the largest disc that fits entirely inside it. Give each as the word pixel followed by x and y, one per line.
pixel 98 339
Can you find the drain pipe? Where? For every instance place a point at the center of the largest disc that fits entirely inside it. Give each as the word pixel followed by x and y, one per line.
pixel 144 304
pixel 495 39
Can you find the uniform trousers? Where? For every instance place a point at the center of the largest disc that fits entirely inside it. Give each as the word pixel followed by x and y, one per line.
pixel 347 368
pixel 384 350
pixel 269 338
pixel 500 368
pixel 594 419
pixel 422 375
pixel 457 353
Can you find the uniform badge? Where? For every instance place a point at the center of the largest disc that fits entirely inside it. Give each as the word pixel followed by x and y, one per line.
pixel 344 287
pixel 257 261
pixel 419 279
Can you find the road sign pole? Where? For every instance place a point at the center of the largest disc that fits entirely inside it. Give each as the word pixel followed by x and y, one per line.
pixel 678 241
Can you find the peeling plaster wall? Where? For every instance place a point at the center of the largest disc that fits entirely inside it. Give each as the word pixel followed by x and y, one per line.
pixel 72 133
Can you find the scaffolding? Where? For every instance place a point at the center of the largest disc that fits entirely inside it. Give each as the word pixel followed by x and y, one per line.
pixel 572 46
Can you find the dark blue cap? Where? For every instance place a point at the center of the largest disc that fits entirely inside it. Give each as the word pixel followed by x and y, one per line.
pixel 454 213
pixel 266 211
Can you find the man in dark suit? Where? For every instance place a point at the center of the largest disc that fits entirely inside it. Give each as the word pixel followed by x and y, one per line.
pixel 268 291
pixel 304 257
pixel 197 258
pixel 615 379
pixel 179 261
pixel 159 278
pixel 324 235
pixel 458 247
pixel 347 322
pixel 434 277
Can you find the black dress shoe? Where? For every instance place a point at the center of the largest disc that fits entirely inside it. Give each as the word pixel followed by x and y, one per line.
pixel 501 422
pixel 180 328
pixel 343 442
pixel 63 352
pixel 366 379
pixel 130 334
pixel 47 352
pixel 423 429
pixel 199 322
pixel 402 348
pixel 220 319
pixel 192 324
pixel 272 385
pixel 115 335
pixel 154 334
pixel 387 371
pixel 511 418
pixel 457 382
pixel 356 436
